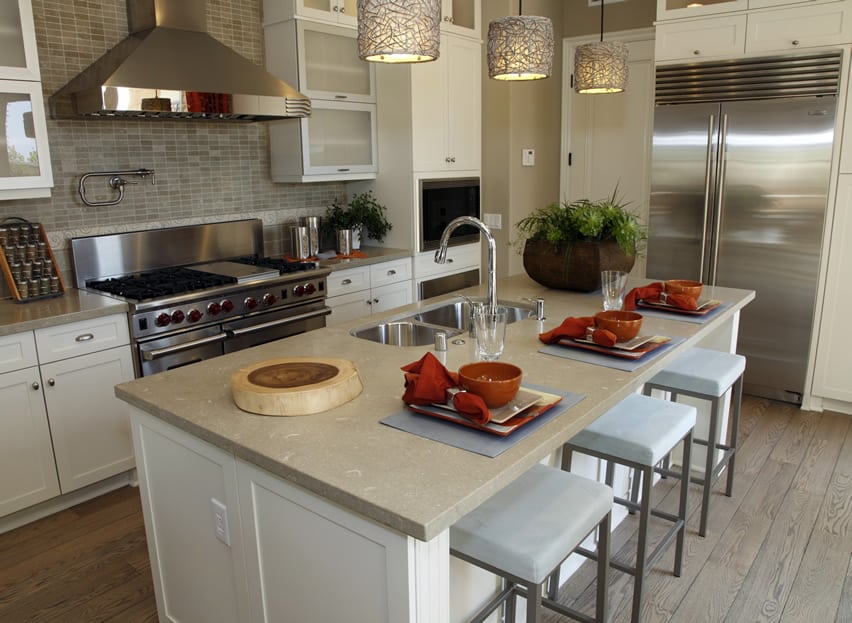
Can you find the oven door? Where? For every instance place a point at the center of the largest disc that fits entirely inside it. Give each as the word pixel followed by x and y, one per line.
pixel 274 325
pixel 180 349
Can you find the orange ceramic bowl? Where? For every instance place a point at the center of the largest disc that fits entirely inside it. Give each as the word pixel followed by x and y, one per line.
pixel 495 382
pixel 624 324
pixel 684 286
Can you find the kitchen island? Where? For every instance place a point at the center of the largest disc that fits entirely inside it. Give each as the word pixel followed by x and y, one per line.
pixel 335 516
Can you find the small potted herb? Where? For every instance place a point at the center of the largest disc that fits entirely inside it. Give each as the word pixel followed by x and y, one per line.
pixel 362 213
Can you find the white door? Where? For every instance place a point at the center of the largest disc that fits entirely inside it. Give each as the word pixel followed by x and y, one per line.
pixel 606 142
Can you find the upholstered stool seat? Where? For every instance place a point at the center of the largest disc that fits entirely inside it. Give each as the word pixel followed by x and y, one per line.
pixel 707 375
pixel 638 433
pixel 528 529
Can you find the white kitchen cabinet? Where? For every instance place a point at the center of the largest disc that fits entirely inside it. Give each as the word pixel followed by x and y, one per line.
pixel 338 141
pixel 446 101
pixel 834 345
pixel 461 17
pixel 460 258
pixel 27 469
pixel 800 27
pixel 357 292
pixel 25 171
pixel 342 12
pixel 60 419
pixel 679 9
pixel 700 39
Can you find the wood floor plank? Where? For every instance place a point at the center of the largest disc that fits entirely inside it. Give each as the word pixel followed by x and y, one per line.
pixel 836 514
pixel 818 586
pixel 844 609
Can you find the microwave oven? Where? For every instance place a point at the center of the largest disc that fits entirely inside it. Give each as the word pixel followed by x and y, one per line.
pixel 440 202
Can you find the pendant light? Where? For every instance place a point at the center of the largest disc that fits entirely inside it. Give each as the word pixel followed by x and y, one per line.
pixel 520 47
pixel 399 31
pixel 600 67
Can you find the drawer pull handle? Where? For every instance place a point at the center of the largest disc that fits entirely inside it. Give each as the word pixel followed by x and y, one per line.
pixel 449 260
pixel 51 382
pixel 391 272
pixel 346 282
pixel 795 42
pixel 696 52
pixel 36 386
pixel 85 337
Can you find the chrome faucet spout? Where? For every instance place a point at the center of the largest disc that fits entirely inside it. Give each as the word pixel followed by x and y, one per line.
pixel 441 252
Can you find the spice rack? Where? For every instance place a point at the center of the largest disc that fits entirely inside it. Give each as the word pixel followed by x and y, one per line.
pixel 27 261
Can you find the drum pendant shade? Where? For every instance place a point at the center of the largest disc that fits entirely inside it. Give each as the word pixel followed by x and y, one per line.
pixel 399 31
pixel 600 67
pixel 520 47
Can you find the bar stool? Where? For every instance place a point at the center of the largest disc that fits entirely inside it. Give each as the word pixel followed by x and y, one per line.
pixel 527 530
pixel 638 433
pixel 708 375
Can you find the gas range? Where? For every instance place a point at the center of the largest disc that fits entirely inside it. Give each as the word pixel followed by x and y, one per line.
pixel 199 291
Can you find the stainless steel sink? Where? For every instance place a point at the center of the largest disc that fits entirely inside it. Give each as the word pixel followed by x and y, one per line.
pixel 456 314
pixel 400 333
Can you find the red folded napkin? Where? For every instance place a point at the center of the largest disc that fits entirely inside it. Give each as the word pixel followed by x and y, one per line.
pixel 427 381
pixel 576 328
pixel 652 292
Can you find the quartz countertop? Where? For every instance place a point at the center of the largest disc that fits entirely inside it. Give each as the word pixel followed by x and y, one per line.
pixel 375 255
pixel 414 485
pixel 73 306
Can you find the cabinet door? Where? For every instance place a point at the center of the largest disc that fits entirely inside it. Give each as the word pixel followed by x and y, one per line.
pixel 461 17
pixel 25 170
pixel 678 9
pixel 801 27
pixel 91 433
pixel 332 11
pixel 18 54
pixel 347 307
pixel 464 104
pixel 17 351
pixel 391 296
pixel 27 470
pixel 834 346
pixel 330 67
pixel 701 39
pixel 429 113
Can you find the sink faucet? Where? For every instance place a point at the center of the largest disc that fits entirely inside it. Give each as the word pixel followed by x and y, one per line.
pixel 441 253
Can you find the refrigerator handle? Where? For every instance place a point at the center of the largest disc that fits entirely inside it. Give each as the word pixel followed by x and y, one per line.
pixel 707 177
pixel 720 197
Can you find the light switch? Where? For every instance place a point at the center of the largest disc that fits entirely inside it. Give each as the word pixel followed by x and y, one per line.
pixel 528 158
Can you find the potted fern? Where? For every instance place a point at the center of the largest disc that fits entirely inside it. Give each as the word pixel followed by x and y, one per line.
pixel 566 245
pixel 363 214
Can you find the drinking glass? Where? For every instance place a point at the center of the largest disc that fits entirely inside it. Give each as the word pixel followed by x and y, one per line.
pixel 490 327
pixel 613 288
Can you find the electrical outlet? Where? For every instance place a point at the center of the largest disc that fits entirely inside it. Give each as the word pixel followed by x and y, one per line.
pixel 220 521
pixel 528 157
pixel 493 220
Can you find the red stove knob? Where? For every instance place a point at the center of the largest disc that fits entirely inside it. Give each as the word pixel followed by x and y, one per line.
pixel 310 288
pixel 177 316
pixel 214 308
pixel 227 306
pixel 194 315
pixel 299 290
pixel 163 320
pixel 250 302
pixel 269 298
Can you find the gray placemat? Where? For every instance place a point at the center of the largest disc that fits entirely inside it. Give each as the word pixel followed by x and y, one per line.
pixel 667 315
pixel 480 442
pixel 608 361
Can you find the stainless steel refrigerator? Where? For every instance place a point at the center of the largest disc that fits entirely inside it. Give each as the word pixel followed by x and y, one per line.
pixel 740 177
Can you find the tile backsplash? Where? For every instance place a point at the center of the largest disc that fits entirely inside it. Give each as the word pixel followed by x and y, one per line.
pixel 205 171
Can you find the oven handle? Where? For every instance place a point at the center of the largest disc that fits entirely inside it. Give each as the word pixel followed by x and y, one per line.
pixel 325 311
pixel 154 353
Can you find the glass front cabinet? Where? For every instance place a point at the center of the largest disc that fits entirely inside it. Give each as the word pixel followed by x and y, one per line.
pixel 25 170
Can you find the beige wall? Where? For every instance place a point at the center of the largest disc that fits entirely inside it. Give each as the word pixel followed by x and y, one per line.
pixel 516 116
pixel 581 19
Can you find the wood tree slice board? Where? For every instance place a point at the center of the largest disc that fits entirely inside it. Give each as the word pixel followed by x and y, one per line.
pixel 295 385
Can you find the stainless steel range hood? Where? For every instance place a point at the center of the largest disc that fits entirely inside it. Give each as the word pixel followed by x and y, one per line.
pixel 169 67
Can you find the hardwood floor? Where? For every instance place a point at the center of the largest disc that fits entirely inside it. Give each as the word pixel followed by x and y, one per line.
pixel 780 549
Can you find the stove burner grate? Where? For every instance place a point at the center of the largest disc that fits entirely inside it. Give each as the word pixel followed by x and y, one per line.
pixel 159 283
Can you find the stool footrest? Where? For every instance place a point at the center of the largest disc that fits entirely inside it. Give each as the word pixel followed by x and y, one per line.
pixel 562 609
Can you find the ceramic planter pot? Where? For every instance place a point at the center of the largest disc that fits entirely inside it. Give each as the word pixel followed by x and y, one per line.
pixel 574 267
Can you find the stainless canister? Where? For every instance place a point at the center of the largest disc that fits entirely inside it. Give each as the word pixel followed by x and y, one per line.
pixel 344 241
pixel 313 225
pixel 300 243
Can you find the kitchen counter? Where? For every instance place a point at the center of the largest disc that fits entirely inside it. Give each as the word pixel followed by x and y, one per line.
pixel 348 519
pixel 413 485
pixel 73 306
pixel 375 255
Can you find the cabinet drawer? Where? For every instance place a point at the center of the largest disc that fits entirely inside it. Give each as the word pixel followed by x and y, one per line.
pixel 81 338
pixel 17 351
pixel 349 280
pixel 802 27
pixel 700 39
pixel 390 272
pixel 462 257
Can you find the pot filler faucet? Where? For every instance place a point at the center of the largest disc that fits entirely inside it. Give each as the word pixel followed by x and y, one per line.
pixel 441 253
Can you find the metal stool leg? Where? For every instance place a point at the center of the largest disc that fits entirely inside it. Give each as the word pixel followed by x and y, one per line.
pixel 533 603
pixel 683 507
pixel 602 607
pixel 709 464
pixel 736 402
pixel 642 549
